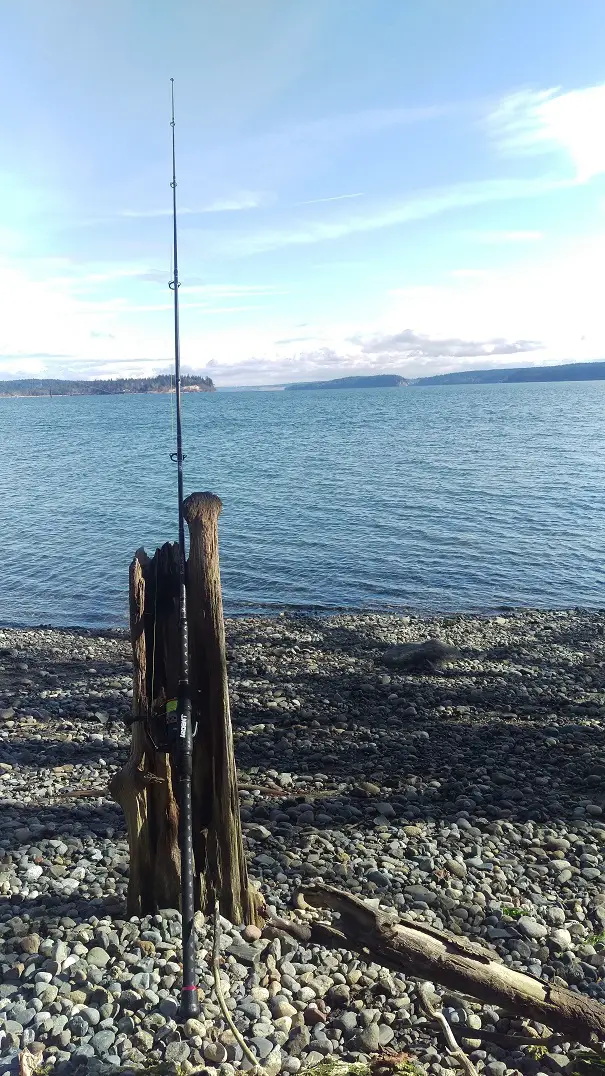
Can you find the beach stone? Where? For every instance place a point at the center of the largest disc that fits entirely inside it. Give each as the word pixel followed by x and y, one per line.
pixel 291 1064
pixel 102 1041
pixel 385 1035
pixel 561 939
pixel 179 1051
pixel 251 933
pixel 243 952
pixel 379 878
pixel 496 1068
pixel 169 1008
pixel 531 928
pixel 280 1006
pixel 299 1040
pixel 455 867
pixel 194 1027
pixel 347 1022
pixel 98 958
pixel 368 1039
pixel 215 1053
pixel 30 943
pixel 421 893
pixel 262 1046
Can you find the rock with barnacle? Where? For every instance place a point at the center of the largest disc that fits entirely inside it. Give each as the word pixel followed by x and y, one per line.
pixel 419 657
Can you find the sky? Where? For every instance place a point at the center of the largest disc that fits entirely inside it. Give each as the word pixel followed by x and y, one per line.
pixel 364 186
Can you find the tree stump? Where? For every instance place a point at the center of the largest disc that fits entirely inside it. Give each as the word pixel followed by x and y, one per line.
pixel 144 786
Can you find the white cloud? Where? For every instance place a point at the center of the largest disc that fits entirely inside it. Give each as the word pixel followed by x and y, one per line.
pixel 528 314
pixel 232 204
pixel 332 198
pixel 247 200
pixel 505 237
pixel 546 121
pixel 416 207
pixel 234 289
pixel 556 301
pixel 408 344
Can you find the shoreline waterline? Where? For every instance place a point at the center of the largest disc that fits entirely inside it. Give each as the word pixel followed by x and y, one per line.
pixel 324 613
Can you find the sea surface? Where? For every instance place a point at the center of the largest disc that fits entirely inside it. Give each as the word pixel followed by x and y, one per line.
pixel 429 499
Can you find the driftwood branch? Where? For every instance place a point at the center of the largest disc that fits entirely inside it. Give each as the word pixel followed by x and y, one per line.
pixel 216 975
pixel 425 953
pixel 454 1049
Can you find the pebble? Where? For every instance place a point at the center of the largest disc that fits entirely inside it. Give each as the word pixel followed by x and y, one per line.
pixel 463 798
pixel 531 928
pixel 98 958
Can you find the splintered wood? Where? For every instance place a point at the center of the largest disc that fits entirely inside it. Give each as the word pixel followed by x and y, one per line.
pixel 144 785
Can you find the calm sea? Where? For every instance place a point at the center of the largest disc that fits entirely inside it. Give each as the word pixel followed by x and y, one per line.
pixel 452 498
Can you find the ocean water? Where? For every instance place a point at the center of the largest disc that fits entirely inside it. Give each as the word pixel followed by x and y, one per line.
pixel 428 499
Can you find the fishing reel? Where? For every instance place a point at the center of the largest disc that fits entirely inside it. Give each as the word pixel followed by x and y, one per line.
pixel 163 728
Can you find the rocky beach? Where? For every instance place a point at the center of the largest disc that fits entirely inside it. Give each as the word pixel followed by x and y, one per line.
pixel 469 795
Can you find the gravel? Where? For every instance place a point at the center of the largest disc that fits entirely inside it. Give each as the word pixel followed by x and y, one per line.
pixel 466 792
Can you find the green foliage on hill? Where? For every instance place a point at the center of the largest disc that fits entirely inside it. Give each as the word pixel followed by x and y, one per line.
pixel 119 386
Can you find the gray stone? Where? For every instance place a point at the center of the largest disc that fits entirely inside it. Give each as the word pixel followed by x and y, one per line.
pixel 102 1041
pixel 531 928
pixel 368 1039
pixel 561 939
pixel 420 892
pixel 144 1040
pixel 379 878
pixel 179 1051
pixel 98 958
pixel 215 1053
pixel 257 832
pixel 262 1046
pixel 244 952
pixel 559 1061
pixel 455 867
pixel 169 1008
pixel 496 1068
pixel 347 1023
pixel 299 1040
pixel 280 1006
pixel 417 657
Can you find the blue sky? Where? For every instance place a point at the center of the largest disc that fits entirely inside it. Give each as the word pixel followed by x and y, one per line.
pixel 364 185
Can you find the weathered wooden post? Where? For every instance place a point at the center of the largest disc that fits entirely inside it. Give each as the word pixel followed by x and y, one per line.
pixel 144 786
pixel 217 836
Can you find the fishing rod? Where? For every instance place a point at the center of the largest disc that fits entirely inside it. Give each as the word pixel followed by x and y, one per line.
pixel 190 1005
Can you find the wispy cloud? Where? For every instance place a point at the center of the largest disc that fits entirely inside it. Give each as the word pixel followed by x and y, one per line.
pixel 231 204
pixel 547 121
pixel 505 237
pixel 247 200
pixel 417 207
pixel 332 198
pixel 216 290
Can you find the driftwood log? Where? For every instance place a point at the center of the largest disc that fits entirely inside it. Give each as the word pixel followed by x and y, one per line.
pixel 144 785
pixel 466 967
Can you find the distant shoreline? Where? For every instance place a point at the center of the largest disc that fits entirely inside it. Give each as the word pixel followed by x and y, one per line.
pixel 63 395
pixel 161 384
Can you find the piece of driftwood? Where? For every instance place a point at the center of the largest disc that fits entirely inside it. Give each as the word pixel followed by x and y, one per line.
pixel 466 967
pixel 144 785
pixel 452 1045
